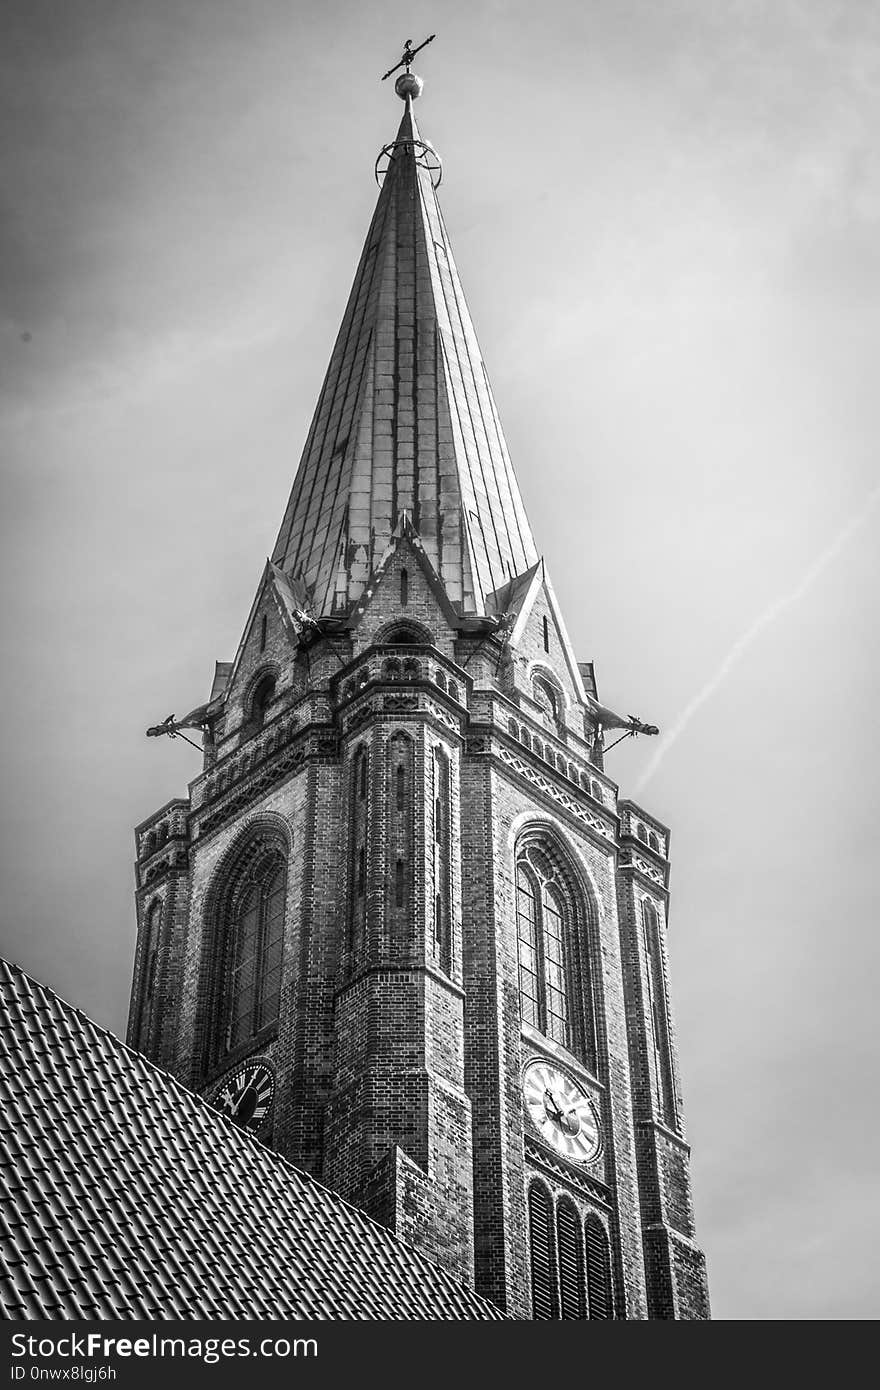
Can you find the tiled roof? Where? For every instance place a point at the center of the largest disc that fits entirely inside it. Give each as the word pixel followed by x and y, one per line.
pixel 406 420
pixel 125 1196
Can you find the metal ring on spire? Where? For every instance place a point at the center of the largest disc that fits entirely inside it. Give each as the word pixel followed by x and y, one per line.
pixel 425 155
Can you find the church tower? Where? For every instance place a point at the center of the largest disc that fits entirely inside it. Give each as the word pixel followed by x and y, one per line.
pixel 402 927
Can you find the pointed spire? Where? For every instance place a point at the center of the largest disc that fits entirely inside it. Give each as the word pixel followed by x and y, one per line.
pixel 406 420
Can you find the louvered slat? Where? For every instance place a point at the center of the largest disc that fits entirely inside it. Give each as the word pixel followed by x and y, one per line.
pixel 598 1269
pixel 571 1262
pixel 544 1299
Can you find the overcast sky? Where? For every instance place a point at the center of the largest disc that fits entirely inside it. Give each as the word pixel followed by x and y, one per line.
pixel 665 214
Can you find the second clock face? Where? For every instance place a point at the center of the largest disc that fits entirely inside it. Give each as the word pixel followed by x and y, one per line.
pixel 246 1095
pixel 561 1112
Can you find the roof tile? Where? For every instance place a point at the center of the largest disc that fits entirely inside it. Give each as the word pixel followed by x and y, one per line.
pixel 100 1224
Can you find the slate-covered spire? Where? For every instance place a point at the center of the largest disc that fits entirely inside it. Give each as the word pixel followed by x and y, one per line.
pixel 406 421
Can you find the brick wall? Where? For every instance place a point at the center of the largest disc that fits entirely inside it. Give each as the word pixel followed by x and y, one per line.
pixel 399 1048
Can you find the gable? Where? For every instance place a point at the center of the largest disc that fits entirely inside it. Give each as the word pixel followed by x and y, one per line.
pixel 540 642
pixel 267 645
pixel 403 590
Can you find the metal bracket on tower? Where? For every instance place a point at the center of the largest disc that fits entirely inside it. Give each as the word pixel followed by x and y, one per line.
pixel 425 156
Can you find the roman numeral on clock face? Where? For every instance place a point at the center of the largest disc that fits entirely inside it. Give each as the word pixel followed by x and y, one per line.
pixel 246 1095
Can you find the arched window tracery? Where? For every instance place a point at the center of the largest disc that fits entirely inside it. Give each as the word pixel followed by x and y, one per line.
pixel 251 930
pixel 552 926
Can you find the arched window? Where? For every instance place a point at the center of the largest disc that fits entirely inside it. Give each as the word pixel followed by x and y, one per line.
pixel 546 634
pixel 261 699
pixel 654 842
pixel 570 1263
pixel 442 864
pixel 406 635
pixel 361 779
pixel 599 1301
pixel 642 833
pixel 542 975
pixel 545 1302
pixel 658 1015
pixel 547 696
pixel 149 993
pixel 554 978
pixel 252 949
pixel 570 1248
pixel 399 828
pixel 358 831
pixel 404 588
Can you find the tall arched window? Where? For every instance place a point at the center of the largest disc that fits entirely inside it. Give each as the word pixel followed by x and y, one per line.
pixel 399 829
pixel 149 993
pixel 553 975
pixel 658 1013
pixel 599 1301
pixel 545 1303
pixel 253 942
pixel 359 818
pixel 442 864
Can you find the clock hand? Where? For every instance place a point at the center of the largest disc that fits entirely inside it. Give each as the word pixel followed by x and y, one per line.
pixel 240 1101
pixel 550 1103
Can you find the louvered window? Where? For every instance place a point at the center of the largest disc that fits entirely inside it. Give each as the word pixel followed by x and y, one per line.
pixel 543 1260
pixel 569 1244
pixel 598 1269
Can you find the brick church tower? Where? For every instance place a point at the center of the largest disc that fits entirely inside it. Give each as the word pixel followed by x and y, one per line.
pixel 402 928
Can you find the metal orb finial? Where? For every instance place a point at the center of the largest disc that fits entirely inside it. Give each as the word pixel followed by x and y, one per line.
pixel 408 84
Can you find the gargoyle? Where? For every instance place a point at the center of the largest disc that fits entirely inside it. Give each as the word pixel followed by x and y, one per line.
pixel 196 719
pixel 601 715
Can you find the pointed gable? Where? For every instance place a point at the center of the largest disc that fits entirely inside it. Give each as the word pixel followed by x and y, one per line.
pixel 406 420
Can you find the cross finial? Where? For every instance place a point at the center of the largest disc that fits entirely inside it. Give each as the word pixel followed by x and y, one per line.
pixel 408 54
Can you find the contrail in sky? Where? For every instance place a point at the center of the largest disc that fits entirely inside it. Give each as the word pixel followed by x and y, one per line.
pixel 830 553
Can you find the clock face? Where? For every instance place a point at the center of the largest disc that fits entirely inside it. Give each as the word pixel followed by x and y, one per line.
pixel 246 1095
pixel 562 1113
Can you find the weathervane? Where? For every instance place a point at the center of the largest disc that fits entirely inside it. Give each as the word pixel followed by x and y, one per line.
pixel 408 54
pixel 409 86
